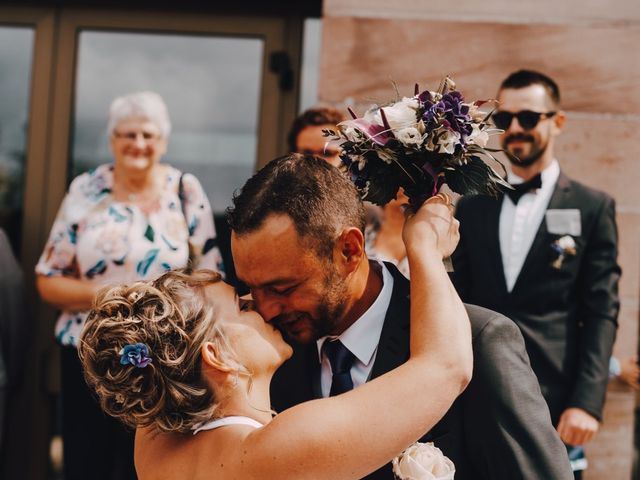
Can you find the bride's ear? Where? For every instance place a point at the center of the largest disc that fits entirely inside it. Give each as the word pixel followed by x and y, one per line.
pixel 212 359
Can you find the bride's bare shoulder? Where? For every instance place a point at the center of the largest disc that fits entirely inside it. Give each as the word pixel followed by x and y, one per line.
pixel 209 454
pixel 164 455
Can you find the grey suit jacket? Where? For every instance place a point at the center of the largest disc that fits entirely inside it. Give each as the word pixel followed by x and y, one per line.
pixel 498 429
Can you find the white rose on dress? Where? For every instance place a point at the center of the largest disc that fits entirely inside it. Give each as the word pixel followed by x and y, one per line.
pixel 113 243
pixel 423 461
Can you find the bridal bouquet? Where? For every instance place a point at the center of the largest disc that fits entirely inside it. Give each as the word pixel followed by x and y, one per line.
pixel 419 143
pixel 423 461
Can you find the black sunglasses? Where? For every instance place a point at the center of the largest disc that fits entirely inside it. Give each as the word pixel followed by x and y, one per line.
pixel 526 118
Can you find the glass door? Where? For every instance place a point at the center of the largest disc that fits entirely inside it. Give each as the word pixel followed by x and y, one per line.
pixel 16 55
pixel 228 111
pixel 210 83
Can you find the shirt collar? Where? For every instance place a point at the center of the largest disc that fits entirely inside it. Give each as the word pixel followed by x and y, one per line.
pixel 548 176
pixel 362 337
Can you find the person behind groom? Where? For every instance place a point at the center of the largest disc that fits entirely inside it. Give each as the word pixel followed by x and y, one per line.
pixel 286 251
pixel 544 255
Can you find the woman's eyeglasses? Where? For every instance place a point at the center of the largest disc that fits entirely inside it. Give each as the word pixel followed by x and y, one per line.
pixel 132 136
pixel 526 118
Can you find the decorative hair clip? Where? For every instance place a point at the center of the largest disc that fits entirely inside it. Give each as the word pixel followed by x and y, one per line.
pixel 136 354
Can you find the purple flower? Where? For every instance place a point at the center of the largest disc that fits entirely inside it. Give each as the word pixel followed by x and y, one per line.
pixel 457 114
pixel 136 354
pixel 450 112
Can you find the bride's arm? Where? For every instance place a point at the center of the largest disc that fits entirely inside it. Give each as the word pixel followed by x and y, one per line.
pixel 353 434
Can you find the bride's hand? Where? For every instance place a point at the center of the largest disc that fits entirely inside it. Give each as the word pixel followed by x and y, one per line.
pixel 433 228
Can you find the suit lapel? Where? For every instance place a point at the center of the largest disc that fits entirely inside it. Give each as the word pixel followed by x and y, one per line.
pixel 539 248
pixel 393 348
pixel 314 367
pixel 492 226
pixel 298 380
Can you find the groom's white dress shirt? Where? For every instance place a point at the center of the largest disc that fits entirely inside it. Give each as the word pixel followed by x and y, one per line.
pixel 520 222
pixel 361 338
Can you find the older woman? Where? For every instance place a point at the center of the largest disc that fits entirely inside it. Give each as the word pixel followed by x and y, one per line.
pixel 131 220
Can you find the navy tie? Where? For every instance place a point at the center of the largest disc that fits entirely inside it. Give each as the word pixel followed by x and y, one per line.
pixel 341 360
pixel 519 189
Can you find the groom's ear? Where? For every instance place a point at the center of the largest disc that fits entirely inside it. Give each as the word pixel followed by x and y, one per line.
pixel 350 248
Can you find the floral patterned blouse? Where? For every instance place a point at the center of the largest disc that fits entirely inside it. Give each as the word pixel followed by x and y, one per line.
pixel 103 241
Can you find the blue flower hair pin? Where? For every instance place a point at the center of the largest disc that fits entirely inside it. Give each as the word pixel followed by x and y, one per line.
pixel 136 354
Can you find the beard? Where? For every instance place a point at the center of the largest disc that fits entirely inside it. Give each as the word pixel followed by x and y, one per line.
pixel 519 159
pixel 328 315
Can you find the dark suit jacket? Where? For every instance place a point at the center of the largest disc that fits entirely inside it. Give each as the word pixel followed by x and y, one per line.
pixel 568 316
pixel 498 429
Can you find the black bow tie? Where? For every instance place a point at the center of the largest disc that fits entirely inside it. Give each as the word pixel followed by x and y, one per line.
pixel 519 189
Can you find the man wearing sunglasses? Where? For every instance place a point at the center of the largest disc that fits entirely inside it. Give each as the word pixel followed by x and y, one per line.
pixel 545 255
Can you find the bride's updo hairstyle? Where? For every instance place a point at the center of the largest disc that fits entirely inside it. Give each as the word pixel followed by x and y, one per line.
pixel 171 317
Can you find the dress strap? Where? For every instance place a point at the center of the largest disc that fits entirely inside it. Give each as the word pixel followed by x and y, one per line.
pixel 224 421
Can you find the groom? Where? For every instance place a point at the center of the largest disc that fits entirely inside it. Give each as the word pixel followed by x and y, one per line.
pixel 297 242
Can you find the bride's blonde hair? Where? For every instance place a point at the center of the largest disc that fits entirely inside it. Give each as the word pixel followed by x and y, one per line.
pixel 172 316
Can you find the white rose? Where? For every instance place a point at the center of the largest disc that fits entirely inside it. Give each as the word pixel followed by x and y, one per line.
pixel 423 461
pixel 567 243
pixel 409 136
pixel 113 243
pixel 478 136
pixel 399 115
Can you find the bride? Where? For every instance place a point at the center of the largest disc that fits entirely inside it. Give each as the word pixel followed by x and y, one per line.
pixel 182 360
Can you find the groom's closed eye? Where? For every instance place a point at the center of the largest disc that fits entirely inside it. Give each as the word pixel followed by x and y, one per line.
pixel 280 291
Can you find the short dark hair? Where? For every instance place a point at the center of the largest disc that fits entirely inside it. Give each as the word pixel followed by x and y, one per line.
pixel 310 118
pixel 320 200
pixel 526 78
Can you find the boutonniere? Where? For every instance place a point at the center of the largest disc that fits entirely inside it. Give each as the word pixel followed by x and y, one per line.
pixel 423 461
pixel 562 248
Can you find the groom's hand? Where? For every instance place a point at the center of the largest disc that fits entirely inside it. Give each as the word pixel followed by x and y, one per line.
pixel 577 427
